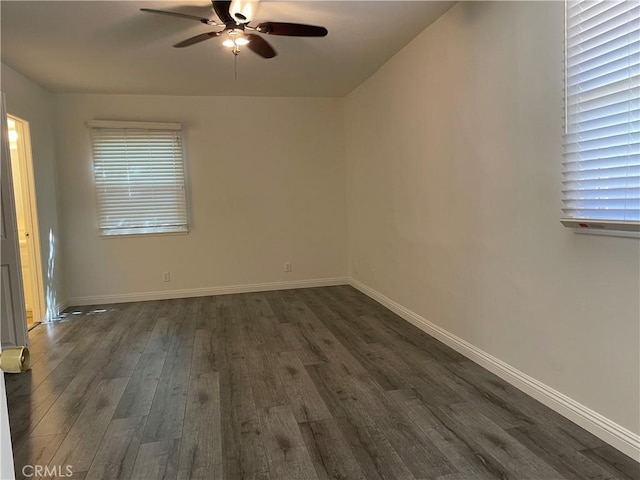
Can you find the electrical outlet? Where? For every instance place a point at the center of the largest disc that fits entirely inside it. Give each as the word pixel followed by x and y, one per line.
pixel 355 267
pixel 373 273
pixel 166 277
pixel 287 266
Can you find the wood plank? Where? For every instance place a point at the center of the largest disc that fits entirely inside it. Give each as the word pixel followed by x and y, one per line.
pixel 279 304
pixel 205 473
pixel 64 475
pixel 31 451
pixel 339 316
pixel 118 449
pixel 165 419
pixel 161 335
pixel 553 450
pixel 75 361
pixel 353 335
pixel 28 410
pixel 138 396
pixel 286 451
pixel 404 335
pixel 304 343
pixel 330 453
pixel 251 331
pixel 266 384
pixel 166 414
pixel 261 313
pixel 305 401
pixel 337 354
pixel 243 449
pixel 509 407
pixel 377 458
pixel 205 351
pixel 46 335
pixel 122 364
pixel 491 441
pixel 66 409
pixel 207 314
pixel 299 313
pixel 286 306
pixel 157 460
pixel 201 446
pixel 460 476
pixel 428 385
pixel 82 442
pixel 418 452
pixel 616 463
pixel 125 353
pixel 466 459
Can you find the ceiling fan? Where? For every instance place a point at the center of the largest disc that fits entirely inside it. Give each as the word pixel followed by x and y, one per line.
pixel 236 26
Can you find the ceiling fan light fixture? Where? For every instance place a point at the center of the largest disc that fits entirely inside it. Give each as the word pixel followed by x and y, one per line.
pixel 235 42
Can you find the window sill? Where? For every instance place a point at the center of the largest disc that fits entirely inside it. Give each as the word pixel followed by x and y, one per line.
pixel 143 234
pixel 603 227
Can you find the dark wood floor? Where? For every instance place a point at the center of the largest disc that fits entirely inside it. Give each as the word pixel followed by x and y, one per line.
pixel 302 384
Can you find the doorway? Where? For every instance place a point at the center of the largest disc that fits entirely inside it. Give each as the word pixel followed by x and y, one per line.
pixel 27 219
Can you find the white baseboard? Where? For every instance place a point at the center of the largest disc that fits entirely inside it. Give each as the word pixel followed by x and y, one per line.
pixel 57 309
pixel 61 307
pixel 206 291
pixel 616 435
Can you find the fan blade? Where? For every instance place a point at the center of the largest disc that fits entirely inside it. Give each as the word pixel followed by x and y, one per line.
pixel 291 29
pixel 222 10
pixel 197 39
pixel 260 46
pixel 180 15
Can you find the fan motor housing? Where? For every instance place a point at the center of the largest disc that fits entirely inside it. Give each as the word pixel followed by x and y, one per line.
pixel 243 10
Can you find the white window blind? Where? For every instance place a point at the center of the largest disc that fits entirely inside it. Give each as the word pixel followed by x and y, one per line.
pixel 602 100
pixel 139 177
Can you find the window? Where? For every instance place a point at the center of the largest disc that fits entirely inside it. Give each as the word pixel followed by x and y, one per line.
pixel 139 177
pixel 602 115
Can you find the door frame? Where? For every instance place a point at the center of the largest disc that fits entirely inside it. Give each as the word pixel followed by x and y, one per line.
pixel 12 296
pixel 30 205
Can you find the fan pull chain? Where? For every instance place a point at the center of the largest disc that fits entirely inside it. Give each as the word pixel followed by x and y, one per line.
pixel 235 65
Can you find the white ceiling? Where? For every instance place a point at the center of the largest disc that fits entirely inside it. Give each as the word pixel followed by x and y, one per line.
pixel 112 47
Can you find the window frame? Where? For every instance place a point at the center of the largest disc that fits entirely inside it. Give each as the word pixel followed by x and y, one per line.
pixel 156 230
pixel 616 227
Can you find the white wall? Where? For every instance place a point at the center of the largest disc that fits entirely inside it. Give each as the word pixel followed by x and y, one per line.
pixel 30 102
pixel 266 185
pixel 454 176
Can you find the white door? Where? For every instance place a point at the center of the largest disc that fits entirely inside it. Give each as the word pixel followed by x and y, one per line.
pixel 13 326
pixel 27 219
